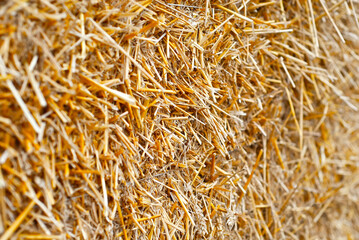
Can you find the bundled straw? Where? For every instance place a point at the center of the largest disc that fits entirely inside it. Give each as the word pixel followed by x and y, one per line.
pixel 179 119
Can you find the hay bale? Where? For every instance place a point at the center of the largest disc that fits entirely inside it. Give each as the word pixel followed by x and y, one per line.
pixel 179 119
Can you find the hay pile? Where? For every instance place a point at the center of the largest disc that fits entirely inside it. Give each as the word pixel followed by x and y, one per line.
pixel 179 119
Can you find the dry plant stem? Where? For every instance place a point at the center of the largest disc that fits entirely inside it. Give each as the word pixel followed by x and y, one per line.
pixel 23 106
pixel 152 119
pixel 250 176
pixel 332 21
pixel 9 232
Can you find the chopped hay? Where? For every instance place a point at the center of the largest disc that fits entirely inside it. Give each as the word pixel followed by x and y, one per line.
pixel 179 119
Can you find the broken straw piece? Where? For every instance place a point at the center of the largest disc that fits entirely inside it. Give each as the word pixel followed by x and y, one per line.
pixel 23 106
pixel 123 96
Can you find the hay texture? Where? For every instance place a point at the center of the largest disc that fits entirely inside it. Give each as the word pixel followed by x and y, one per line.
pixel 179 119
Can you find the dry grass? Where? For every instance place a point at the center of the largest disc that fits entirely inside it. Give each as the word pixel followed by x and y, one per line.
pixel 179 119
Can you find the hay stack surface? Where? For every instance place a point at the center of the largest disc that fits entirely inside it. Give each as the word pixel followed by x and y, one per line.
pixel 179 119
